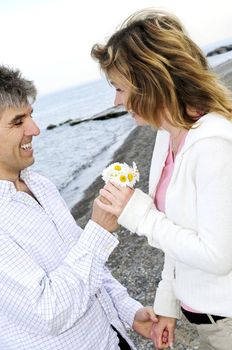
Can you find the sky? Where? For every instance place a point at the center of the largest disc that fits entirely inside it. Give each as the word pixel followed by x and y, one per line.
pixel 50 40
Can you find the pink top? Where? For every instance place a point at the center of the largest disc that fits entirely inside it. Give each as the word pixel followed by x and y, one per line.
pixel 160 195
pixel 159 198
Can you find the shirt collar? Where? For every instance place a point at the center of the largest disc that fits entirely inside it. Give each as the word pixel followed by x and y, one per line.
pixel 7 188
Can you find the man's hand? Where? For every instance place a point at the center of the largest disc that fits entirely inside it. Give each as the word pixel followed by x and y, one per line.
pixel 163 332
pixel 144 320
pixel 101 217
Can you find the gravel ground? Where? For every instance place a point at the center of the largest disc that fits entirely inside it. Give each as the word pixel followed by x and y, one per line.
pixel 134 263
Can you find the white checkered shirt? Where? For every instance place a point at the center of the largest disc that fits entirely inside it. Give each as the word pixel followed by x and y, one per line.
pixel 55 291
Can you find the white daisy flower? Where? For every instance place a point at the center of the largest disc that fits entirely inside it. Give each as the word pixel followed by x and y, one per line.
pixel 121 174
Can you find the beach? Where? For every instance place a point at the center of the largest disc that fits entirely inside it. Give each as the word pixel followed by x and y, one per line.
pixel 134 263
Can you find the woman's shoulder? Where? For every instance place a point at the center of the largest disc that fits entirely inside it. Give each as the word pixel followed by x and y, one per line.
pixel 211 126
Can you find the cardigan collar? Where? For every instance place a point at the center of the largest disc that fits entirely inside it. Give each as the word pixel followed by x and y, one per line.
pixel 210 125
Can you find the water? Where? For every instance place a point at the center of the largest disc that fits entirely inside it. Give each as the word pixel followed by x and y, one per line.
pixel 73 156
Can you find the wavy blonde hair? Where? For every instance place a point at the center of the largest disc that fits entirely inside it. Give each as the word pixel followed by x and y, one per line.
pixel 153 55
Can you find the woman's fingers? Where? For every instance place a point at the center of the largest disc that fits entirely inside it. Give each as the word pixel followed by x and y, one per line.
pixel 106 207
pixel 123 194
pixel 108 195
pixel 116 198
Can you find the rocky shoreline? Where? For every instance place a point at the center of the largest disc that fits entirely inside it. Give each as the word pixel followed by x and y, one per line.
pixel 134 263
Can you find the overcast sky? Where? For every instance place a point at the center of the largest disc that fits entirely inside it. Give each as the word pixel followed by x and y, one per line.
pixel 50 40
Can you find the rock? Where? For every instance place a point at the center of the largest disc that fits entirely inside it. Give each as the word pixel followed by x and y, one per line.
pixel 112 112
pixel 66 122
pixel 51 126
pixel 219 50
pixel 77 121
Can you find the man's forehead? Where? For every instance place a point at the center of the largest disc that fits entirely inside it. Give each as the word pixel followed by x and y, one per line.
pixel 11 112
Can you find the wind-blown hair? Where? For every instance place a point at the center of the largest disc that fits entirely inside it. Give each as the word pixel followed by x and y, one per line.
pixel 153 55
pixel 15 91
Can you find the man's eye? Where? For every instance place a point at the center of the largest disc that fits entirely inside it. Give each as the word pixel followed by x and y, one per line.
pixel 18 122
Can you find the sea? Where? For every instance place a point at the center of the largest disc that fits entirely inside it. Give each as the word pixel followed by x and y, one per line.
pixel 73 156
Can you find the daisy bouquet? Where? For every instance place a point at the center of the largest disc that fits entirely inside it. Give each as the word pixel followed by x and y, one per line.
pixel 121 174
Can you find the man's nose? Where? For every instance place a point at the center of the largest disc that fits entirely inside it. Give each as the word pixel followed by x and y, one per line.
pixel 32 128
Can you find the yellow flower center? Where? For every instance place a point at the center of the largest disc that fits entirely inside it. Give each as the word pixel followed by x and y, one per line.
pixel 118 167
pixel 122 178
pixel 130 177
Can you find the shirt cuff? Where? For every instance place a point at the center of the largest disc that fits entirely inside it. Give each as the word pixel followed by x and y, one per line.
pixel 130 312
pixel 95 240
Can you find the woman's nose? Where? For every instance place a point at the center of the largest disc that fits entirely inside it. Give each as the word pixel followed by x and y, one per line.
pixel 118 100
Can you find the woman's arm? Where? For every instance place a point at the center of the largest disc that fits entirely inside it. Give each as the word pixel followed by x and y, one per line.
pixel 209 246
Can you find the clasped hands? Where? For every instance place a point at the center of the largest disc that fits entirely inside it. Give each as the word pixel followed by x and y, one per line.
pixel 108 206
pixel 159 329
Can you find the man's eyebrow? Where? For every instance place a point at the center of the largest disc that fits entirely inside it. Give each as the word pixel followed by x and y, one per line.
pixel 21 115
pixel 18 116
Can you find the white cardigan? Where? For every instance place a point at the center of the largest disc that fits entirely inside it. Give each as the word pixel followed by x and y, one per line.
pixel 196 230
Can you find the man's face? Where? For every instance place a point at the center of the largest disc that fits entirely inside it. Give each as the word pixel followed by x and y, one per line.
pixel 16 131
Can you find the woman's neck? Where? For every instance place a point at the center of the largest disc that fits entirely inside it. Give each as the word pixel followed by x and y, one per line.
pixel 176 135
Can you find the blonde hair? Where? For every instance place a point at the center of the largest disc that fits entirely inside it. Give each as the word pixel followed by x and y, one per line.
pixel 155 57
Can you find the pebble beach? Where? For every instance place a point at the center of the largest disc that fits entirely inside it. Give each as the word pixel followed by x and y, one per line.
pixel 134 263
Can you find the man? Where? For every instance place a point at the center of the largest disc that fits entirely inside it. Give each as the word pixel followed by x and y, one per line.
pixel 55 291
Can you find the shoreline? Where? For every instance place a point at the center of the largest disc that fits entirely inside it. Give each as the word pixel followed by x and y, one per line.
pixel 83 181
pixel 134 263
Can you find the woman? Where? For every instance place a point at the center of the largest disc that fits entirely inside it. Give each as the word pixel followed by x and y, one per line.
pixel 163 79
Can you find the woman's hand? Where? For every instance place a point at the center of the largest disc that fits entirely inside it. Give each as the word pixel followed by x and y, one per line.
pixel 117 198
pixel 163 332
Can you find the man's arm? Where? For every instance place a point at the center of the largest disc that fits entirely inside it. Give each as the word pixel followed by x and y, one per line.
pixel 50 302
pixel 124 304
pixel 131 312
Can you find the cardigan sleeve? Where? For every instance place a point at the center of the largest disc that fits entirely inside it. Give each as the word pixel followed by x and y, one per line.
pixel 208 247
pixel 165 303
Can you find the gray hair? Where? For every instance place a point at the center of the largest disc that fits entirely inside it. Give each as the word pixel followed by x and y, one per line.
pixel 15 91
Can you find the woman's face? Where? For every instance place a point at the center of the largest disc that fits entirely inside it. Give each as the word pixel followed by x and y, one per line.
pixel 121 97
